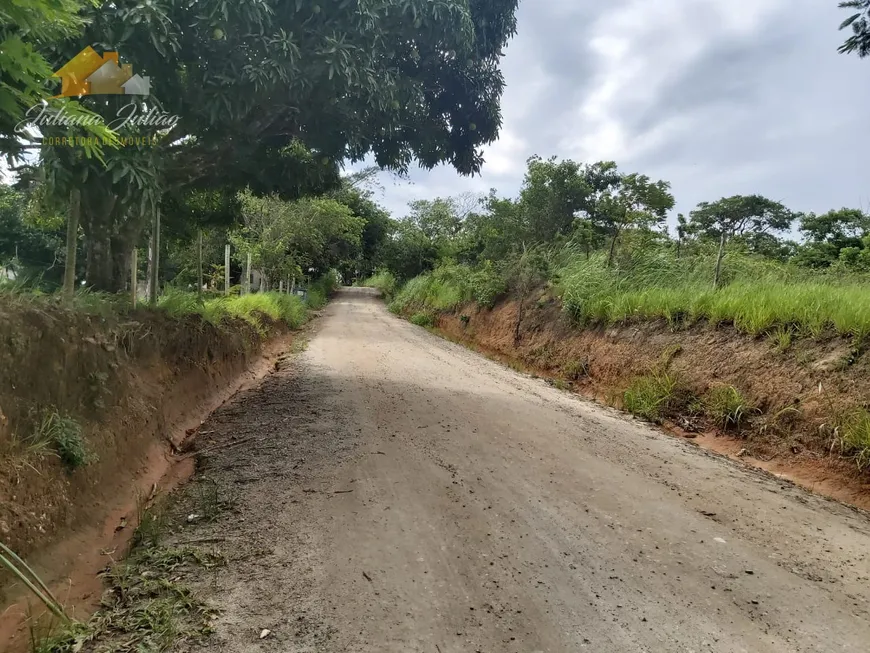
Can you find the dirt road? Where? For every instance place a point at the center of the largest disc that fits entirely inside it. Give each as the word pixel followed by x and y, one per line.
pixel 409 495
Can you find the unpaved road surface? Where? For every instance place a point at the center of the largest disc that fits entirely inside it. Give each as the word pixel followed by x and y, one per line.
pixel 405 494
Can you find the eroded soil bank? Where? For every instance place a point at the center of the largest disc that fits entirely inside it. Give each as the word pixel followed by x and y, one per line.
pixel 796 397
pixel 139 388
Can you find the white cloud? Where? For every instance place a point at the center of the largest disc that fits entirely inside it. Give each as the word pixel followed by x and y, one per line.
pixel 717 96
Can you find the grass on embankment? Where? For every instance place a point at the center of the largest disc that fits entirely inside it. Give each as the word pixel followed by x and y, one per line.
pixel 759 297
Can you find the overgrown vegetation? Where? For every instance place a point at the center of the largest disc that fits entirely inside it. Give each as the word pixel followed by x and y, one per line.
pixel 854 433
pixel 385 281
pixel 61 436
pixel 652 396
pixel 727 407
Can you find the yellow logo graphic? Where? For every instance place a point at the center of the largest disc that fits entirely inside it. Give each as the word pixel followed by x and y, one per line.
pixel 88 73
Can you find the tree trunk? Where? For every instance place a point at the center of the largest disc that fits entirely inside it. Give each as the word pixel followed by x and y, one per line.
pixel 72 233
pixel 97 219
pixel 612 249
pixel 717 278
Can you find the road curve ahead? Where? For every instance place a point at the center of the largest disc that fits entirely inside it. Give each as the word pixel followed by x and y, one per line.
pixel 406 494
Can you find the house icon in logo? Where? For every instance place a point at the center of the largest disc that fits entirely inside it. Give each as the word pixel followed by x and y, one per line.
pixel 88 73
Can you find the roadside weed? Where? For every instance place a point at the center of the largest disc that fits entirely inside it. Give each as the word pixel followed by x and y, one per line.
pixel 422 319
pixel 61 435
pixel 854 432
pixel 727 407
pixel 651 395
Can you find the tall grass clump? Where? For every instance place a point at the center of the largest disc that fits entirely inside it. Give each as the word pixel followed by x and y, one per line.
pixel 728 407
pixel 652 396
pixel 759 296
pixel 279 307
pixel 443 289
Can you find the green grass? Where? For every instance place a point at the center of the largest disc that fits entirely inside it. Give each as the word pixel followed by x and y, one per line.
pixel 422 319
pixel 279 307
pixel 444 289
pixel 727 407
pixel 854 434
pixel 62 436
pixel 383 281
pixel 759 297
pixel 651 396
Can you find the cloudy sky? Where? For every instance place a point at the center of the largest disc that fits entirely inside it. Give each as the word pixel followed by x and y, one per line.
pixel 719 97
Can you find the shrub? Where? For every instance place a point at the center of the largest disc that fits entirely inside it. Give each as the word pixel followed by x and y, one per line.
pixel 727 407
pixel 422 319
pixel 652 396
pixel 316 299
pixel 323 288
pixel 486 284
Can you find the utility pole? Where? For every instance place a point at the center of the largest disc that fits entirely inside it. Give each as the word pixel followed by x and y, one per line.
pixel 134 276
pixel 227 269
pixel 247 285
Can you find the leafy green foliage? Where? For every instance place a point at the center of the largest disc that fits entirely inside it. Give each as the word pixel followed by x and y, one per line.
pixel 63 436
pixel 486 284
pixel 422 319
pixel 287 238
pixel 385 281
pixel 859 23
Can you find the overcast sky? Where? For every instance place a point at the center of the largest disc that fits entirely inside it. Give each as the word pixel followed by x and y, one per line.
pixel 719 97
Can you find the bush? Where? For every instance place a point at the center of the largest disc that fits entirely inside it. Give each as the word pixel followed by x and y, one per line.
pixel 652 396
pixel 486 285
pixel 316 298
pixel 727 407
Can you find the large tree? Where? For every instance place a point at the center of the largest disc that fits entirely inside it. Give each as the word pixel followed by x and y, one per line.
pixel 826 235
pixel 401 79
pixel 739 215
